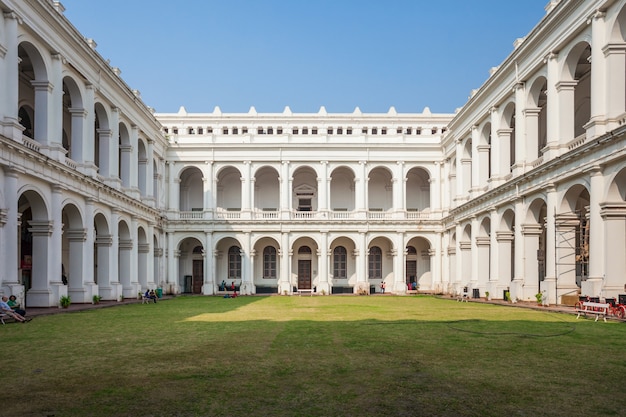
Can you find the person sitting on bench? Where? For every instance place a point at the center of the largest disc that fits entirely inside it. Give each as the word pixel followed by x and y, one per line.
pixel 5 308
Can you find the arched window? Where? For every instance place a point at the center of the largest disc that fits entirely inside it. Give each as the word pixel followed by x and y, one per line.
pixel 375 263
pixel 234 262
pixel 340 263
pixel 269 262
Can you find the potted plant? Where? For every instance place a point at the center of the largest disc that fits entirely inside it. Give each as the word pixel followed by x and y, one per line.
pixel 96 299
pixel 487 295
pixel 539 297
pixel 507 296
pixel 65 301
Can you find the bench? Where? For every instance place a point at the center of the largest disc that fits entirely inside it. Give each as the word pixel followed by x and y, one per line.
pixel 305 291
pixel 589 307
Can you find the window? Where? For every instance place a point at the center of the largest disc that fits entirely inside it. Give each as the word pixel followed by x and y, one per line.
pixel 340 270
pixel 340 130
pixel 418 131
pixel 408 130
pixel 349 131
pixel 443 130
pixel 244 130
pixel 374 131
pixel 295 131
pixel 270 130
pixel 234 262
pixel 383 131
pixel 166 130
pixel 329 130
pixel 314 131
pixel 190 131
pixel 364 131
pixel 269 262
pixel 375 263
pixel 209 130
pixel 235 131
pixel 200 131
pixel 305 130
pixel 434 131
pixel 225 131
pixel 399 130
pixel 260 131
pixel 175 131
pixel 304 204
pixel 279 130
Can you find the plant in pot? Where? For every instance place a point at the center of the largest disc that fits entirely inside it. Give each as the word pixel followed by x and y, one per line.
pixel 65 301
pixel 487 295
pixel 96 299
pixel 539 297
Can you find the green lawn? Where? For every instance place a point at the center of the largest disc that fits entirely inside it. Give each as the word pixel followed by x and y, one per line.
pixel 313 356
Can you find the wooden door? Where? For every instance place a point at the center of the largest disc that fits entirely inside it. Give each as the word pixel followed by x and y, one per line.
pixel 304 274
pixel 198 276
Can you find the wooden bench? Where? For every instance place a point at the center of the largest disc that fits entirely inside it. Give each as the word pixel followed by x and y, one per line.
pixel 589 307
pixel 305 291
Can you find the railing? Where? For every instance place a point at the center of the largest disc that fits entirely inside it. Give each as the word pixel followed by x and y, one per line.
pixel 190 215
pixel 71 163
pixel 417 215
pixel 266 215
pixel 341 215
pixel 227 214
pixel 31 144
pixel 378 215
pixel 303 214
pixel 579 140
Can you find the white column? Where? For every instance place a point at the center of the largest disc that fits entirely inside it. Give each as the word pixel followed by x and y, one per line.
pixel 553 111
pixel 597 121
pixel 210 286
pixel 10 236
pixel 87 166
pixel 399 185
pixel 615 82
pixel 150 173
pixel 55 125
pixel 10 80
pixel 527 149
pixel 596 232
pixel 43 113
pixel 322 187
pixel 436 188
pixel 520 129
pixel 549 281
pixel 476 162
pixel 246 189
pixel 324 266
pixel 134 161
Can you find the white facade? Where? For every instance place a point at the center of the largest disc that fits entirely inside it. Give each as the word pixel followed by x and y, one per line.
pixel 522 189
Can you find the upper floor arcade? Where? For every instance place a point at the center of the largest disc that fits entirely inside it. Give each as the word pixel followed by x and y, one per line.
pixel 563 86
pixel 61 99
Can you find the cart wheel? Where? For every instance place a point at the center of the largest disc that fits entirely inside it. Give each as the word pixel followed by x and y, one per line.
pixel 621 312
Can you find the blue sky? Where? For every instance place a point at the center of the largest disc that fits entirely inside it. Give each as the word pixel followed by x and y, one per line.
pixel 305 53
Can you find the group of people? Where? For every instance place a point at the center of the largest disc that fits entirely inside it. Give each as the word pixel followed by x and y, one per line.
pixel 10 307
pixel 151 294
pixel 226 287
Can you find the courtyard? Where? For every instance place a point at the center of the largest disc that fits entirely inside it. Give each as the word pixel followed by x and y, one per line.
pixel 313 356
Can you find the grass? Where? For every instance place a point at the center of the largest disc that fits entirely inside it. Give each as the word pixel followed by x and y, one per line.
pixel 313 356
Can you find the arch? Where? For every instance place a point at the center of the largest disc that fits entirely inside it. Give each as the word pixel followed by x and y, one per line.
pixel 380 189
pixel 191 189
pixel 229 193
pixel 418 189
pixel 342 189
pixel 33 90
pixel 142 166
pixel 418 253
pixel 191 265
pixel 304 190
pixel 266 189
pixel 124 154
pixel 73 119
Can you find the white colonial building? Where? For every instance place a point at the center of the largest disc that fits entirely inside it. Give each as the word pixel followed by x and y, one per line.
pixel 523 189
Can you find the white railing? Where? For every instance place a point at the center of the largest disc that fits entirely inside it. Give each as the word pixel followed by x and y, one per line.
pixel 31 144
pixel 417 215
pixel 378 215
pixel 265 215
pixel 341 215
pixel 579 140
pixel 227 214
pixel 303 215
pixel 190 215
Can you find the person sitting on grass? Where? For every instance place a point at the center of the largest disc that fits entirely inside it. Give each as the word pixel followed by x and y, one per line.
pixel 6 309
